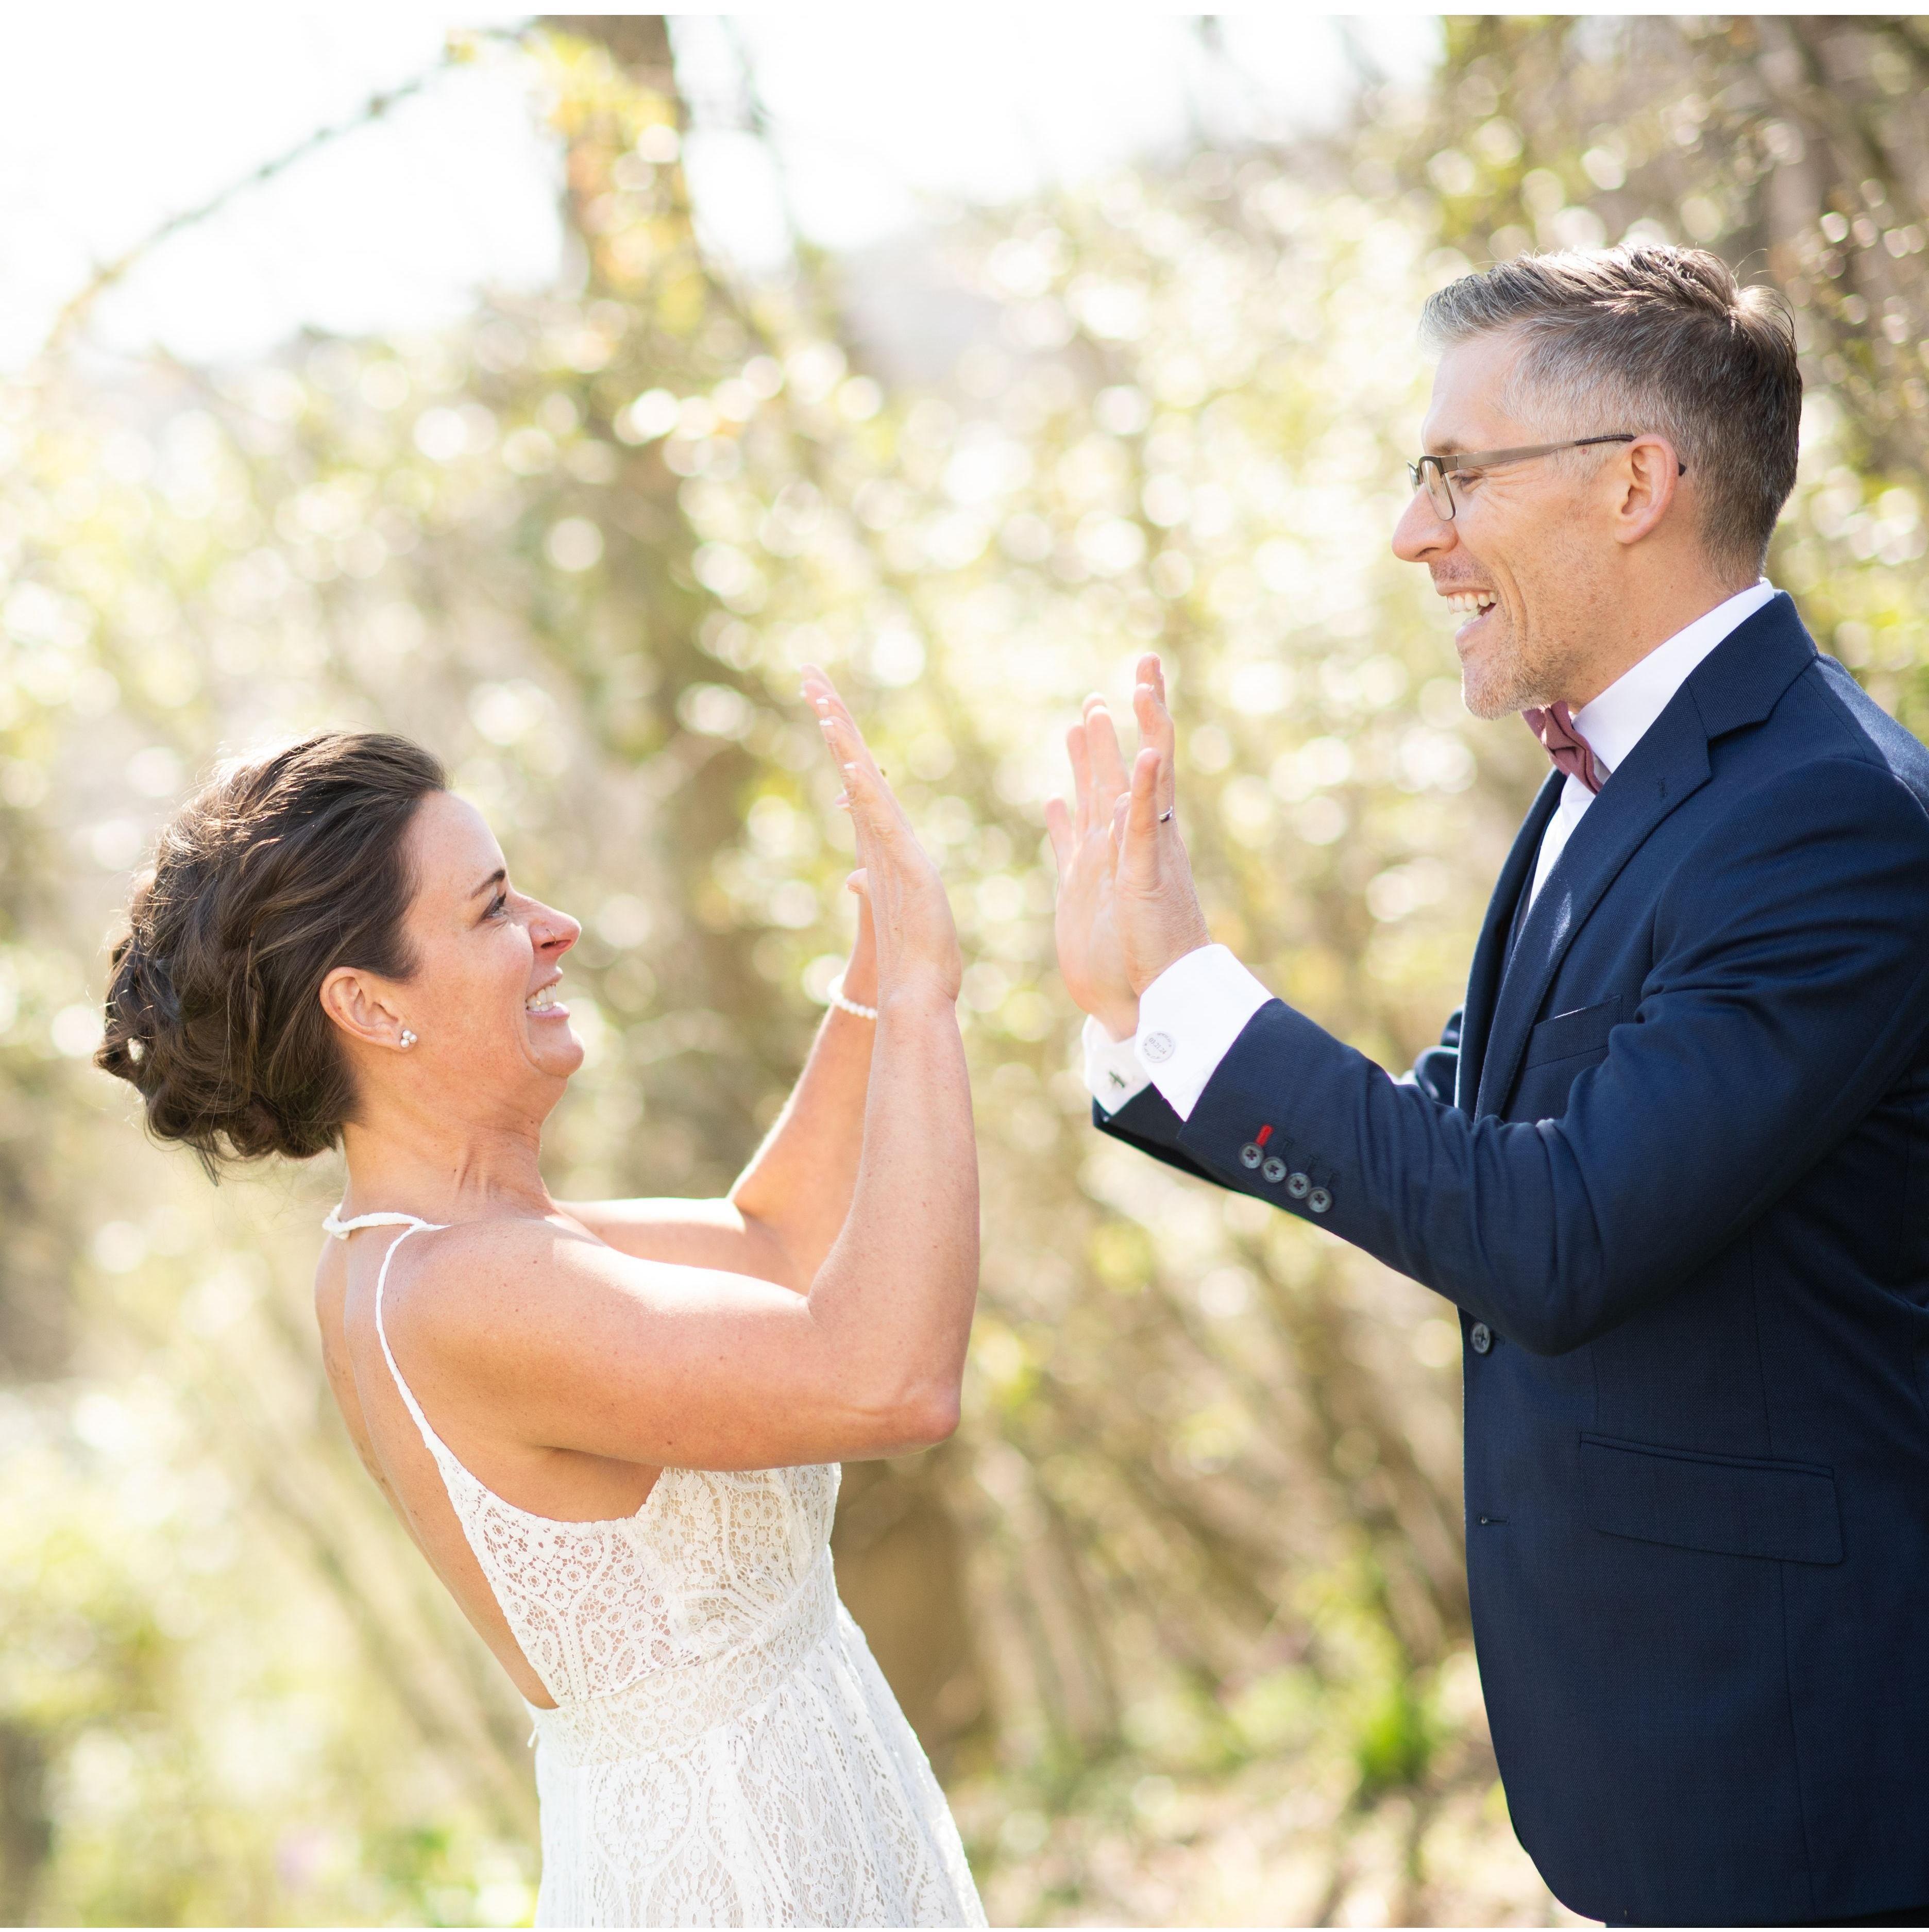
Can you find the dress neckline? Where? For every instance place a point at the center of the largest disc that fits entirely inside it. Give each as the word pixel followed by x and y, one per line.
pixel 333 1223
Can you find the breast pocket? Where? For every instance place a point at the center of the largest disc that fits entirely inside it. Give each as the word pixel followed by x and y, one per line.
pixel 1578 1035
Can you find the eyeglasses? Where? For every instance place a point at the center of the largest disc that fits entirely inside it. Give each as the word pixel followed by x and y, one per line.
pixel 1431 472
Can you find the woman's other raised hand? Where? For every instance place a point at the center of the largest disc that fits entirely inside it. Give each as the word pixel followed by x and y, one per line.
pixel 916 937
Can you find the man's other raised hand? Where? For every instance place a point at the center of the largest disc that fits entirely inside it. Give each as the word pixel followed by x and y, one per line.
pixel 1156 905
pixel 1127 908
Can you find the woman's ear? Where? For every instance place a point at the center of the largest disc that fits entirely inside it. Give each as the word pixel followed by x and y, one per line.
pixel 363 1006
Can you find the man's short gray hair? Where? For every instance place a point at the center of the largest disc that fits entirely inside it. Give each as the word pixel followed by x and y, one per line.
pixel 1655 340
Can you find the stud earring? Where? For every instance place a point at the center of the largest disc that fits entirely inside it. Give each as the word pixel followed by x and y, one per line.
pixel 408 1038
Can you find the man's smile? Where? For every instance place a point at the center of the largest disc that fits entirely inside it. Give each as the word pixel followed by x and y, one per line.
pixel 1470 605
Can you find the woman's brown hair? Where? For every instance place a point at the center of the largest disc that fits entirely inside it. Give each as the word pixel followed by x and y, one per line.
pixel 278 872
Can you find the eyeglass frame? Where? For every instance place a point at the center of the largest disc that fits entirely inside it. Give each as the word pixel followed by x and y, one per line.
pixel 1492 459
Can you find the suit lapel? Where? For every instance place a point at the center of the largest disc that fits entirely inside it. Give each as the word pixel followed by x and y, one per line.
pixel 1738 684
pixel 1669 764
pixel 1490 955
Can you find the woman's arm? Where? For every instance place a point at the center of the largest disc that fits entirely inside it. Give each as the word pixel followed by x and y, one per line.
pixel 779 1220
pixel 565 1343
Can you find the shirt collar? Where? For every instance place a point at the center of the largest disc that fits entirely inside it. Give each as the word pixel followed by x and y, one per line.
pixel 1616 721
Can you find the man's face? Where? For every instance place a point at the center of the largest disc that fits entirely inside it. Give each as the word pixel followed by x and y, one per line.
pixel 1527 552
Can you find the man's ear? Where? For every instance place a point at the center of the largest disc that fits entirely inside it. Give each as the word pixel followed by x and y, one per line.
pixel 1647 480
pixel 363 1005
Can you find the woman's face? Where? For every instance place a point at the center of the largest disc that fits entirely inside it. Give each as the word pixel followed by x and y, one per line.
pixel 483 1001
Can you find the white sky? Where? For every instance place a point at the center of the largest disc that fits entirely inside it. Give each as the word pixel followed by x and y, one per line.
pixel 111 119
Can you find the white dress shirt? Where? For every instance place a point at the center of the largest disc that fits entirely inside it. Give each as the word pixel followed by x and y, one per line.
pixel 1191 1014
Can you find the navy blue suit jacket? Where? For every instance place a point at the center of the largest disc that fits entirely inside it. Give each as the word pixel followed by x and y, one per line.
pixel 1672 1163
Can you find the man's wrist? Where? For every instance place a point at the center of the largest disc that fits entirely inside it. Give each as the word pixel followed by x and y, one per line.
pixel 1145 978
pixel 1113 1073
pixel 1189 1018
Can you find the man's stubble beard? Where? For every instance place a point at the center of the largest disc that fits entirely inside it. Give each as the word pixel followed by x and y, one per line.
pixel 1561 582
pixel 1526 674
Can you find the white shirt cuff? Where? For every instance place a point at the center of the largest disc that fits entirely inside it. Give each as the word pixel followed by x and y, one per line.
pixel 1112 1069
pixel 1188 1018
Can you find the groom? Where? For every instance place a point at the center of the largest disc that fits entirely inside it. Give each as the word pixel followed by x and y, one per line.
pixel 1671 1160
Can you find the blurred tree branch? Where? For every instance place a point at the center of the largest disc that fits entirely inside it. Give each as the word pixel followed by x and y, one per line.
pixel 73 312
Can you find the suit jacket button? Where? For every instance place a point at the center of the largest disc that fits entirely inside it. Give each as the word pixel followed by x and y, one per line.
pixel 1250 1155
pixel 1319 1201
pixel 1274 1170
pixel 1157 1048
pixel 1297 1186
pixel 1481 1336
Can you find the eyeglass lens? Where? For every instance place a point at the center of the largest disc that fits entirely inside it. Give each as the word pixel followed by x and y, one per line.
pixel 1433 477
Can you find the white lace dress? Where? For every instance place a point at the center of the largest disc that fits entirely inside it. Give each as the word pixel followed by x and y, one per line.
pixel 724 1750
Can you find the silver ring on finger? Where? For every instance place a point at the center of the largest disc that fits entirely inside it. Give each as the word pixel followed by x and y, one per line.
pixel 1165 815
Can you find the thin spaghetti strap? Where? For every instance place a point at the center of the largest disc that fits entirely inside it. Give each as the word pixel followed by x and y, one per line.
pixel 437 1447
pixel 332 1224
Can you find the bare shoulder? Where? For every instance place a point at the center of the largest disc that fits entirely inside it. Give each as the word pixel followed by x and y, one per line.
pixel 475 1276
pixel 491 1294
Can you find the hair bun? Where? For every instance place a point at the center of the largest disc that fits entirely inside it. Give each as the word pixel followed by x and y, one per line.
pixel 275 874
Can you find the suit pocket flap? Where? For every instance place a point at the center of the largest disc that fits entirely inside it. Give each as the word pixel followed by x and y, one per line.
pixel 1583 1030
pixel 1730 1506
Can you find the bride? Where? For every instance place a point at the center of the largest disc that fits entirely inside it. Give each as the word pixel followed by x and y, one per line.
pixel 613 1428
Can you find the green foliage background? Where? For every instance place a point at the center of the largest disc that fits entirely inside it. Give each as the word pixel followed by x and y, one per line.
pixel 1181 1614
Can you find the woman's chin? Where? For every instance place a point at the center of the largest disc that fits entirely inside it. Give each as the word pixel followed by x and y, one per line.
pixel 555 1048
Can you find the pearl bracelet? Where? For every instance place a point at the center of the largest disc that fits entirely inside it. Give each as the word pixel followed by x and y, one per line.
pixel 851 1007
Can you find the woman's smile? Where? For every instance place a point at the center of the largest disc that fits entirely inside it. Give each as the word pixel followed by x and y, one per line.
pixel 542 1004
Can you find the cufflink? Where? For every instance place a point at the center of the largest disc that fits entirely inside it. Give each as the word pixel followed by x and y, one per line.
pixel 1157 1047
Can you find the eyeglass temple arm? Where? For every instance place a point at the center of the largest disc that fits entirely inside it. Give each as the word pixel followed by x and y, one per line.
pixel 1681 468
pixel 1493 458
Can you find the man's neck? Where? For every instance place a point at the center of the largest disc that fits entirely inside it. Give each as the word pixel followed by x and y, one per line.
pixel 1646 624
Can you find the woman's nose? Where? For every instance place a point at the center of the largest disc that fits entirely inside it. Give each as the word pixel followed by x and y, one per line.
pixel 554 931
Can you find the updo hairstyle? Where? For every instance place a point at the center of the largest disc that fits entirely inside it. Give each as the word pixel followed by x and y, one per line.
pixel 276 873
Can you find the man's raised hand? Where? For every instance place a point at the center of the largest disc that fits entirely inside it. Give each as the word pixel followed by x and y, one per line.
pixel 1155 908
pixel 1126 907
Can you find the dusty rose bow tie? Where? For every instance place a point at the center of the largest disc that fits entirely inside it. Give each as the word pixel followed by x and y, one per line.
pixel 1569 751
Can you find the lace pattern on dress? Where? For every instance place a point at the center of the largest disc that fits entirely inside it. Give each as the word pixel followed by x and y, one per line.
pixel 724 1751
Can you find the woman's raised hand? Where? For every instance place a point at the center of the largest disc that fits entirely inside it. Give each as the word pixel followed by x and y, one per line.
pixel 916 939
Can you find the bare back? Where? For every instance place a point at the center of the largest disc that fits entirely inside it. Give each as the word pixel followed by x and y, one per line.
pixel 563 1485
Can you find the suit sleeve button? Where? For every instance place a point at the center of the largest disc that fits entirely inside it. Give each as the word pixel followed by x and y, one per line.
pixel 1274 1170
pixel 1250 1155
pixel 1298 1187
pixel 1319 1201
pixel 1481 1336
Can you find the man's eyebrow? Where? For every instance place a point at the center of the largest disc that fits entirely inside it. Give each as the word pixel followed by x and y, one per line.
pixel 495 878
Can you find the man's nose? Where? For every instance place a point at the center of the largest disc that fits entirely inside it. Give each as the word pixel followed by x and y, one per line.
pixel 1422 533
